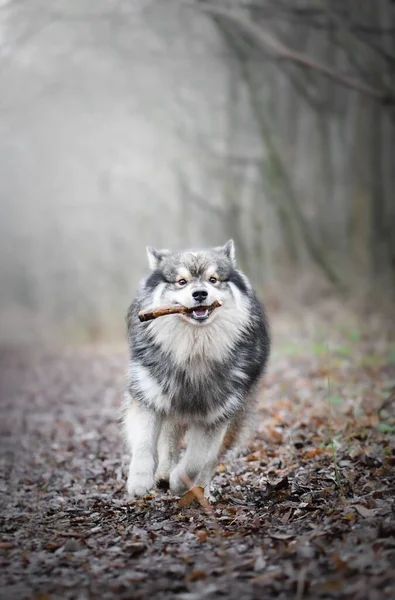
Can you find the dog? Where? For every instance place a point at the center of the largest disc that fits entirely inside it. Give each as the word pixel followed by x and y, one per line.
pixel 194 375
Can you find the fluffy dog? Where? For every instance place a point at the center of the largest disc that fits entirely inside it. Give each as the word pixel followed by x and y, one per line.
pixel 194 374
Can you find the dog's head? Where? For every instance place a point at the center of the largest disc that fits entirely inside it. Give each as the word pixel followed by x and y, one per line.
pixel 196 279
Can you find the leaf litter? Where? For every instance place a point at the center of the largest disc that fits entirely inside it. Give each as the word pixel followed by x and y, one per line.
pixel 306 512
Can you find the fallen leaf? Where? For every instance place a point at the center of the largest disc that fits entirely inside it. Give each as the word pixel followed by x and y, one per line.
pixel 201 536
pixel 279 484
pixel 135 549
pixel 365 512
pixel 314 453
pixel 193 496
pixel 196 575
pixel 6 545
pixel 281 536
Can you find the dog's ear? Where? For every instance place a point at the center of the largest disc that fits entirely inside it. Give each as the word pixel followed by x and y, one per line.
pixel 155 257
pixel 229 250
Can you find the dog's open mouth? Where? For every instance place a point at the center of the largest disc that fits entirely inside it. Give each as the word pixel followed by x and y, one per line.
pixel 201 313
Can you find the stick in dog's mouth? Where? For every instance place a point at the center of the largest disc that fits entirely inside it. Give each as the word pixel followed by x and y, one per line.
pixel 199 313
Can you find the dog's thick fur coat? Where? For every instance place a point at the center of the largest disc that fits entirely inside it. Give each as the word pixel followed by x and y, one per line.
pixel 194 374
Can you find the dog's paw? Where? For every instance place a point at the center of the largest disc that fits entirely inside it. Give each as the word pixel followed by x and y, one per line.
pixel 139 484
pixel 162 477
pixel 178 482
pixel 162 483
pixel 209 496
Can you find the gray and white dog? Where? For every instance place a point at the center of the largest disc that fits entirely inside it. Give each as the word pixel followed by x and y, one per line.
pixel 195 374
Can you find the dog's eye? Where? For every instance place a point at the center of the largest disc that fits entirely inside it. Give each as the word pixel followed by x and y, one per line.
pixel 213 279
pixel 181 282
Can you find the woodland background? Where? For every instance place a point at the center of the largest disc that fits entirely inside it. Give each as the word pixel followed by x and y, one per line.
pixel 183 123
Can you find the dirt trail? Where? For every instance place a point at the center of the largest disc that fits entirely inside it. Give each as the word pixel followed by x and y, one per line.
pixel 307 513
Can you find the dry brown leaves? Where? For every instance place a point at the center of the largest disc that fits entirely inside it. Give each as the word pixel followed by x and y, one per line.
pixel 307 512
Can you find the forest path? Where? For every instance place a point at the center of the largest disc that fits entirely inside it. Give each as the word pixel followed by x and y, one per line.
pixel 308 513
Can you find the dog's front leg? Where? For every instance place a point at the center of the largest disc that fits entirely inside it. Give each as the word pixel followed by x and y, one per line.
pixel 200 458
pixel 142 429
pixel 168 451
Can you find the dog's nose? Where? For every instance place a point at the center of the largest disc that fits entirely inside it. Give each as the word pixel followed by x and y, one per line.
pixel 199 295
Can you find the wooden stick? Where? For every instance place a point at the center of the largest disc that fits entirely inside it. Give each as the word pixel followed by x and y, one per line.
pixel 148 315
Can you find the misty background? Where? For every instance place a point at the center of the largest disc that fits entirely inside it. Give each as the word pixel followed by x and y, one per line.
pixel 181 124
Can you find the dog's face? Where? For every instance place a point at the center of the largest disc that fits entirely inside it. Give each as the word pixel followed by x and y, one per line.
pixel 196 279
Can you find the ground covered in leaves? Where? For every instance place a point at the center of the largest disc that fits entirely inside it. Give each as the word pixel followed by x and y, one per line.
pixel 308 512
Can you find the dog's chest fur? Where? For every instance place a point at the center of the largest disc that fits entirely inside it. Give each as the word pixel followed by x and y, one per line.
pixel 194 374
pixel 186 393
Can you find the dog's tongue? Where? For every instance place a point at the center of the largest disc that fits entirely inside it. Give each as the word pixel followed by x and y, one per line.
pixel 200 312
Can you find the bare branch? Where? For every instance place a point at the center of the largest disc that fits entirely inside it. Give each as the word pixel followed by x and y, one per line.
pixel 267 41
